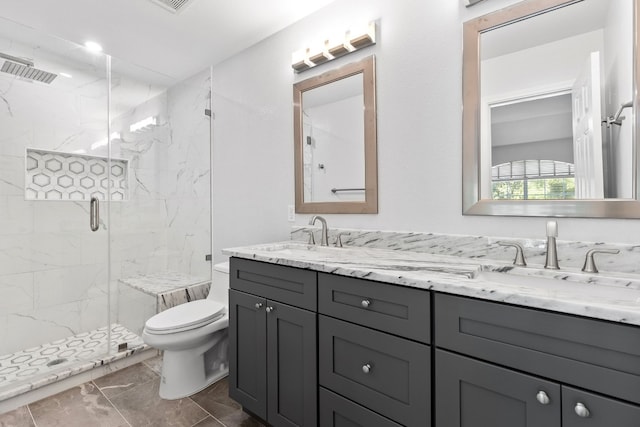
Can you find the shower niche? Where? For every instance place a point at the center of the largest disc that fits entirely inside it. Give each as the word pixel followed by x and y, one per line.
pixel 54 175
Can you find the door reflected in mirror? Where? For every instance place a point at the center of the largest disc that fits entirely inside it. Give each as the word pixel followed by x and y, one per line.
pixel 335 141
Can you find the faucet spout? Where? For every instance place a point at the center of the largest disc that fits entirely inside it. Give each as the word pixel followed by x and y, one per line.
pixel 324 240
pixel 551 262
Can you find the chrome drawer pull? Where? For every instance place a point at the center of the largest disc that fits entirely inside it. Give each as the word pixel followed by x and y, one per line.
pixel 543 398
pixel 269 309
pixel 366 368
pixel 365 303
pixel 581 410
pixel 258 305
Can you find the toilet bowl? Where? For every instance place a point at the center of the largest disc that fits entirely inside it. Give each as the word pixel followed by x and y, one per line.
pixel 194 338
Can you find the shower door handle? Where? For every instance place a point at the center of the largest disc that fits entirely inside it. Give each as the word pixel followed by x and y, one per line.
pixel 94 214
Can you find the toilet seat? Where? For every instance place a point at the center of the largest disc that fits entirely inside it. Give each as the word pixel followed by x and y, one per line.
pixel 185 317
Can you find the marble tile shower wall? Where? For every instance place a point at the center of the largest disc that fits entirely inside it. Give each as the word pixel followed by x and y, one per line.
pixel 53 269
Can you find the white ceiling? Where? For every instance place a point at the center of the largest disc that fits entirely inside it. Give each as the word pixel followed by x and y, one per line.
pixel 139 31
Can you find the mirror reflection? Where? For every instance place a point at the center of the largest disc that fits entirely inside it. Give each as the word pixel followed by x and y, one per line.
pixel 551 86
pixel 335 141
pixel 549 96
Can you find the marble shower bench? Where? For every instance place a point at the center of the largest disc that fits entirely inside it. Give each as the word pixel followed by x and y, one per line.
pixel 143 295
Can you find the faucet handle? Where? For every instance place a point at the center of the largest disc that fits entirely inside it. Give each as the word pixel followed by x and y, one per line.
pixel 339 238
pixel 312 239
pixel 589 263
pixel 519 259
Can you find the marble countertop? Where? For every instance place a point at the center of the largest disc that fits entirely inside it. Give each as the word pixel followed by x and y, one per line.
pixel 614 297
pixel 159 283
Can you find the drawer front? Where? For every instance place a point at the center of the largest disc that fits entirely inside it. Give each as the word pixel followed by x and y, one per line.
pixel 376 370
pixel 389 308
pixel 289 285
pixel 588 353
pixel 602 412
pixel 336 411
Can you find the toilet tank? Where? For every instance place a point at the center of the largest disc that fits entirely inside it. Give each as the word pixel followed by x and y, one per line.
pixel 220 283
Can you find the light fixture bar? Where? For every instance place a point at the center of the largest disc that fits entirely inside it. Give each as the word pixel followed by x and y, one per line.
pixel 332 48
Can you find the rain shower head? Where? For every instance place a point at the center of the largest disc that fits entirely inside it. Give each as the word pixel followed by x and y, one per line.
pixel 25 69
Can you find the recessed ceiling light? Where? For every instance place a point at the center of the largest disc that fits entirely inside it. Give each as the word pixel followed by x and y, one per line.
pixel 67 75
pixel 93 46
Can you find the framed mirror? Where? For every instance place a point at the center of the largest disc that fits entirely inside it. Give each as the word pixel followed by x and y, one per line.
pixel 549 110
pixel 335 143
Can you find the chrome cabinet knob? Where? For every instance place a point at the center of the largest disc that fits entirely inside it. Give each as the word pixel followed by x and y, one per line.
pixel 581 410
pixel 365 303
pixel 269 309
pixel 366 368
pixel 258 305
pixel 543 398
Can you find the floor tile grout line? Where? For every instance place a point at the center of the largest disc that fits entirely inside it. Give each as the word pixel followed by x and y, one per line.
pixel 112 404
pixel 210 414
pixel 199 421
pixel 31 415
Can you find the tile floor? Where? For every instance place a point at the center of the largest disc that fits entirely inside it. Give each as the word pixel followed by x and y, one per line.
pixel 129 398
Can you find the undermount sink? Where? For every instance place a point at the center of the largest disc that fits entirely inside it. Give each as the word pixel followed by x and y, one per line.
pixel 561 282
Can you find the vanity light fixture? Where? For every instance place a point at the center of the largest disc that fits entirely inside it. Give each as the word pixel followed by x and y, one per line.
pixel 144 124
pixel 352 40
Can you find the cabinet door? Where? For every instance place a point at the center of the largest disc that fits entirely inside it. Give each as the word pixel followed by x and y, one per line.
pixel 470 393
pixel 247 352
pixel 291 366
pixel 582 409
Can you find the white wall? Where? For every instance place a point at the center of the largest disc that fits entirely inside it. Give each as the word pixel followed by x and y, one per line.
pixel 419 99
pixel 618 67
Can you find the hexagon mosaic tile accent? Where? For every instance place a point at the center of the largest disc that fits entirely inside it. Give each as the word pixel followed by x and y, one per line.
pixel 52 175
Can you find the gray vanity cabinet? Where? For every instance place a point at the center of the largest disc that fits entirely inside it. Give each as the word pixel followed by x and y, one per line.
pixel 591 367
pixel 272 344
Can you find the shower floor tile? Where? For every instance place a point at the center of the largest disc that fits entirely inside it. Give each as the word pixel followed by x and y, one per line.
pixel 37 366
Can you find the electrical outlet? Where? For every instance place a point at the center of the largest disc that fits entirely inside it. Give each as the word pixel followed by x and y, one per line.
pixel 291 213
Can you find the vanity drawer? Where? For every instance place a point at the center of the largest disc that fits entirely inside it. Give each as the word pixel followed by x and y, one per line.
pixel 289 285
pixel 376 370
pixel 602 411
pixel 588 353
pixel 336 411
pixel 390 308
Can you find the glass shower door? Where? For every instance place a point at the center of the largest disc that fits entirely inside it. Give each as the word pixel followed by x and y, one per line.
pixel 54 275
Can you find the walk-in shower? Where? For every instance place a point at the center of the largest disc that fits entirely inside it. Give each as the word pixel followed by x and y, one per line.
pixel 68 136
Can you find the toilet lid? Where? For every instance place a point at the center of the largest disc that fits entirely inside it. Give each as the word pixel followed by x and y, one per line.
pixel 186 316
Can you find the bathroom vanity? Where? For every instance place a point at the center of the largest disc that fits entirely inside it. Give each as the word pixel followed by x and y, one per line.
pixel 366 337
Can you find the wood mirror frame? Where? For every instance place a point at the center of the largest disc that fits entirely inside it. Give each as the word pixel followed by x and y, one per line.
pixel 366 67
pixel 472 204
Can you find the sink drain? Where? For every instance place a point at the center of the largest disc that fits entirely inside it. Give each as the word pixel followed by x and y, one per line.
pixel 56 362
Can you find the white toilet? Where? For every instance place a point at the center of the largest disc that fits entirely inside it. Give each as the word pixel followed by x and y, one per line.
pixel 194 338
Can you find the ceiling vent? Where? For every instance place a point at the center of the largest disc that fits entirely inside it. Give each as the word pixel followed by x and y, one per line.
pixel 174 6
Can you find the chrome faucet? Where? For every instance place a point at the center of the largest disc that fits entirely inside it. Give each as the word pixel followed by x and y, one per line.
pixel 552 252
pixel 324 240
